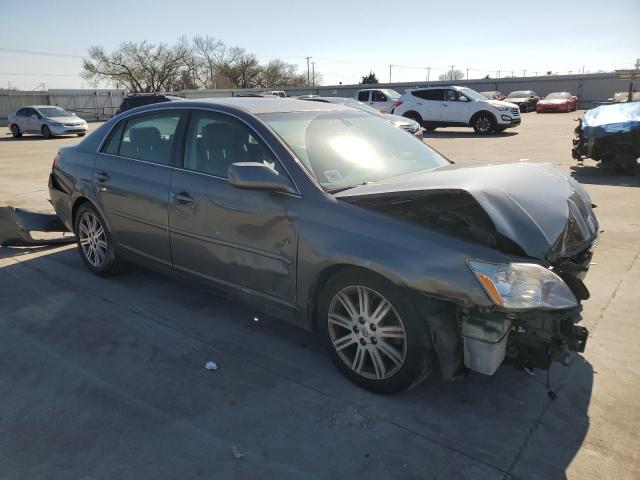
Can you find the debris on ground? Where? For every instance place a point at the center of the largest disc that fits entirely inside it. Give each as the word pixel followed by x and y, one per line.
pixel 237 453
pixel 211 365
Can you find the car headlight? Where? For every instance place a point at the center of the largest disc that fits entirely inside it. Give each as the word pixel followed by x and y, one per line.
pixel 501 108
pixel 54 124
pixel 523 285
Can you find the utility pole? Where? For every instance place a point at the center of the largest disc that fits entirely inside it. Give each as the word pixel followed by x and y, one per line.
pixel 524 73
pixel 536 74
pixel 451 76
pixel 313 73
pixel 390 73
pixel 512 74
pixel 467 74
pixel 498 74
pixel 428 73
pixel 308 73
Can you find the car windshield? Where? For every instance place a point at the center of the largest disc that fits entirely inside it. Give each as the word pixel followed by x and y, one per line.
pixel 472 94
pixel 558 96
pixel 488 94
pixel 518 94
pixel 54 112
pixel 346 148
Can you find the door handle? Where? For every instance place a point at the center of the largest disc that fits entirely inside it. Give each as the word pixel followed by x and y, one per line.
pixel 418 103
pixel 102 176
pixel 183 198
pixel 445 105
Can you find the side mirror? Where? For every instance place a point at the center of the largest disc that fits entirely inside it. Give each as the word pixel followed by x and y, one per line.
pixel 258 176
pixel 462 99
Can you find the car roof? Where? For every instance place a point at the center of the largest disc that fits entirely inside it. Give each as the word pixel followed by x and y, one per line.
pixel 255 105
pixel 40 106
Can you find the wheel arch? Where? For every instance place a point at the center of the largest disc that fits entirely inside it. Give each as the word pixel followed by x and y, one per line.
pixel 411 114
pixel 475 116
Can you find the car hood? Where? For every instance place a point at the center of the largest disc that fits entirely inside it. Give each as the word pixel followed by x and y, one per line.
pixel 554 101
pixel 398 120
pixel 501 103
pixel 72 120
pixel 517 99
pixel 546 213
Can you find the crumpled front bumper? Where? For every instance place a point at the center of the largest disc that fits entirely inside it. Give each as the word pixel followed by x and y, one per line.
pixel 18 225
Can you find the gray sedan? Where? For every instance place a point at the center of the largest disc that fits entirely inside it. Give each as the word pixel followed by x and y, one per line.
pixel 336 221
pixel 46 120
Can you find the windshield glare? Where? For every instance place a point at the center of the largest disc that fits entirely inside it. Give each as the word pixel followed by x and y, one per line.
pixel 518 94
pixel 343 149
pixel 558 96
pixel 472 94
pixel 54 112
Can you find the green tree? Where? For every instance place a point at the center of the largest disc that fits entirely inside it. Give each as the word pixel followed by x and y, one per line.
pixel 369 79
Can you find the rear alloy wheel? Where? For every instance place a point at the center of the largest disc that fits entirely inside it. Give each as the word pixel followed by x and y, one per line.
pixel 15 131
pixel 484 124
pixel 82 134
pixel 373 334
pixel 46 132
pixel 413 116
pixel 94 241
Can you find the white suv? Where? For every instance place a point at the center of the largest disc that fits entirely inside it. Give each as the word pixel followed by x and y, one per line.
pixel 435 107
pixel 382 99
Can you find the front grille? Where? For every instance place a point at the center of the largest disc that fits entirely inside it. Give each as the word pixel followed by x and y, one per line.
pixel 515 112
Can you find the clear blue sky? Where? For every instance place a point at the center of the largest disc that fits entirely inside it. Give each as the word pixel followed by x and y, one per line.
pixel 345 40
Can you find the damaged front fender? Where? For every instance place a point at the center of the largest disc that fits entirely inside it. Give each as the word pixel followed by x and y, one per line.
pixel 17 227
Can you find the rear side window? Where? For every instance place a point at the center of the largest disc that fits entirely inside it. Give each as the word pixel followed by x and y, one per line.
pixel 435 94
pixel 149 137
pixel 378 96
pixel 113 143
pixel 363 96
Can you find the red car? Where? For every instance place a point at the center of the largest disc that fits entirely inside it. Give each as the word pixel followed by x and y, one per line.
pixel 557 102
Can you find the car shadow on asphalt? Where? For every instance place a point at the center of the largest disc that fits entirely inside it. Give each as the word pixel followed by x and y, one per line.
pixel 149 334
pixel 594 175
pixel 469 134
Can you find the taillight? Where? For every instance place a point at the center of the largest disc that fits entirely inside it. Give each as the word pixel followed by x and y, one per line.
pixel 398 103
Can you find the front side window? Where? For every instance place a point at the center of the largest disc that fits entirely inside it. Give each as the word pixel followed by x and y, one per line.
pixel 346 148
pixel 149 137
pixel 215 141
pixel 377 96
pixel 363 96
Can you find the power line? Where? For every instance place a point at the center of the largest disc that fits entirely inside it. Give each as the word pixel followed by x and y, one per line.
pixel 39 74
pixel 34 52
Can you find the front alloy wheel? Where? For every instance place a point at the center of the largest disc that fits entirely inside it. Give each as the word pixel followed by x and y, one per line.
pixel 484 124
pixel 367 332
pixel 372 332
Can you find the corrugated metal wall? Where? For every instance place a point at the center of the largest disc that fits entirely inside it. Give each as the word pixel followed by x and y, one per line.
pixel 99 104
pixel 590 88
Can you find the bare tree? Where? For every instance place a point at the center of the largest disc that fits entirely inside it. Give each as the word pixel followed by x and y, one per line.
pixel 139 66
pixel 209 54
pixel 452 75
pixel 277 73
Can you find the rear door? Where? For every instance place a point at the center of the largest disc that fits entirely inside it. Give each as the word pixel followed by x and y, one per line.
pixel 131 177
pixel 236 238
pixel 429 103
pixel 455 107
pixel 31 120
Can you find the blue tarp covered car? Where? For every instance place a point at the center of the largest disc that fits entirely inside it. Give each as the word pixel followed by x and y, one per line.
pixel 610 134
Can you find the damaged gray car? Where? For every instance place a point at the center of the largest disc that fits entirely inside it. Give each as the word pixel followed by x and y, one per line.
pixel 335 220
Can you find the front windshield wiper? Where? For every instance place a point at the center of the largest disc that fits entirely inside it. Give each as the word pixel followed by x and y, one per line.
pixel 348 187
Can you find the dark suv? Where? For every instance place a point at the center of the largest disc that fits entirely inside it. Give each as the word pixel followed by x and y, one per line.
pixel 140 99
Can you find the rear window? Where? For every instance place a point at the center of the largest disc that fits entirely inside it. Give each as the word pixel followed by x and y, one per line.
pixel 149 137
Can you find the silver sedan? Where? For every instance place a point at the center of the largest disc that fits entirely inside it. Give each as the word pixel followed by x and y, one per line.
pixel 46 120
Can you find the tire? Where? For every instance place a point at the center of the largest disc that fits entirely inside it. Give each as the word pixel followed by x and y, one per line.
pixel 46 132
pixel 95 243
pixel 15 131
pixel 82 134
pixel 355 336
pixel 414 116
pixel 484 124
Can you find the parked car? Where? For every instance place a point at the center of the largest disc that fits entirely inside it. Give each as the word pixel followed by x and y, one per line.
pixel 46 120
pixel 525 99
pixel 610 134
pixel 382 99
pixel 278 93
pixel 494 95
pixel 557 102
pixel 622 97
pixel 406 124
pixel 141 99
pixel 435 107
pixel 342 224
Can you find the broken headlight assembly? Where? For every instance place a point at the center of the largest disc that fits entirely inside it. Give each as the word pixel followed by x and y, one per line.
pixel 519 286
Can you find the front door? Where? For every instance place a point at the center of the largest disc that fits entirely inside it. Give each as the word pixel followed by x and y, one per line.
pixel 236 238
pixel 380 101
pixel 131 177
pixel 455 107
